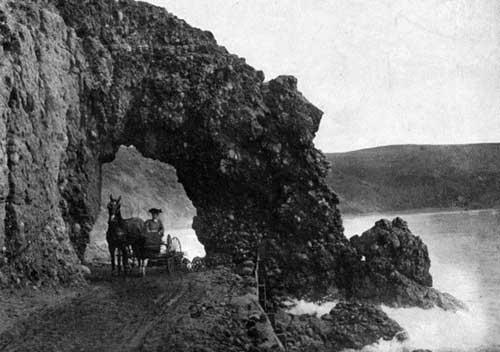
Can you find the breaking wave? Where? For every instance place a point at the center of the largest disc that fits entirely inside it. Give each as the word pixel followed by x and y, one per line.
pixel 433 329
pixel 300 307
pixel 464 249
pixel 438 330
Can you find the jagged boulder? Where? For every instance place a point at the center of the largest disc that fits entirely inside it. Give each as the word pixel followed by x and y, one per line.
pixel 390 246
pixel 358 325
pixel 395 269
pixel 347 326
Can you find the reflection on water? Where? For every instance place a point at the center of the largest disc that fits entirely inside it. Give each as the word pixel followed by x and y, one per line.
pixel 464 247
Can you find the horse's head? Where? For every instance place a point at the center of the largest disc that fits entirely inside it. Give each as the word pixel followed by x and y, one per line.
pixel 114 208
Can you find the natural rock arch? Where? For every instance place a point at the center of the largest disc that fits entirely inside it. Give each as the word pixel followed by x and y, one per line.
pixel 85 77
pixel 80 78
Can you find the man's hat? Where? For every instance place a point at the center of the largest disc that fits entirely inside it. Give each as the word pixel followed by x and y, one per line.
pixel 155 211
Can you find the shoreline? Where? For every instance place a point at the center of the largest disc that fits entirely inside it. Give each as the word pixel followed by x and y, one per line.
pixel 421 211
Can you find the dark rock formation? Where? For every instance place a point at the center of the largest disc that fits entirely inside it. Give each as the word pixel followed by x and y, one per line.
pixel 395 270
pixel 390 246
pixel 348 325
pixel 79 79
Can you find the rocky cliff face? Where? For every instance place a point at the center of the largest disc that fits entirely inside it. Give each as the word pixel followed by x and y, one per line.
pixel 78 79
pixel 45 191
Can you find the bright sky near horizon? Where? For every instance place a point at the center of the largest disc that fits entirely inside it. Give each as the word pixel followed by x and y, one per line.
pixel 383 71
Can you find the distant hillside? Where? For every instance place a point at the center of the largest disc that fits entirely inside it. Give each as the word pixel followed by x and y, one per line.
pixel 405 177
pixel 142 183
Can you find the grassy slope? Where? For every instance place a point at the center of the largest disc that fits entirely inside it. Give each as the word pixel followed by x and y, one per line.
pixel 407 177
pixel 143 183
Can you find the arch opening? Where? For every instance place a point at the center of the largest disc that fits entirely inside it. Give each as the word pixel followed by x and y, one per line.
pixel 144 183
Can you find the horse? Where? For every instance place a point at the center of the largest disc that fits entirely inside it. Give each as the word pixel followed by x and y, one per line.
pixel 122 234
pixel 114 245
pixel 125 233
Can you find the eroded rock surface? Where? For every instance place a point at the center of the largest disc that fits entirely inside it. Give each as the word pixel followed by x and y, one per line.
pixel 348 325
pixel 79 79
pixel 390 246
pixel 395 270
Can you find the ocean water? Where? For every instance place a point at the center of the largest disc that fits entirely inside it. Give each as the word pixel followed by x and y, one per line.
pixel 464 247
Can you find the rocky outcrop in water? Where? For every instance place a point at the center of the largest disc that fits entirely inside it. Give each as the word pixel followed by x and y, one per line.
pixel 347 326
pixel 390 246
pixel 395 269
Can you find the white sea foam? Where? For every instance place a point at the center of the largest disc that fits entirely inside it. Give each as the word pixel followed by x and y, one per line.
pixel 439 330
pixel 463 248
pixel 299 307
pixel 433 329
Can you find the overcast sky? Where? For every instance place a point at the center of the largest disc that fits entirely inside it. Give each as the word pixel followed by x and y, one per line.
pixel 384 72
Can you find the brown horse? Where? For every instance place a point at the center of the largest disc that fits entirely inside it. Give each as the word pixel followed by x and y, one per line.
pixel 123 233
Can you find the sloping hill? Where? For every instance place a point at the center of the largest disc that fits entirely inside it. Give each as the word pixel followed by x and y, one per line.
pixel 404 177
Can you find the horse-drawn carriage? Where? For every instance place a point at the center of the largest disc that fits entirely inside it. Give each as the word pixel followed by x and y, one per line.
pixel 128 238
pixel 170 257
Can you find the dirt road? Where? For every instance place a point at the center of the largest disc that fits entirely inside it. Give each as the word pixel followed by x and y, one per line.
pixel 209 311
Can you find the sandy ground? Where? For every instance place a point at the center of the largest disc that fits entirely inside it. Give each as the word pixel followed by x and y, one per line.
pixel 183 312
